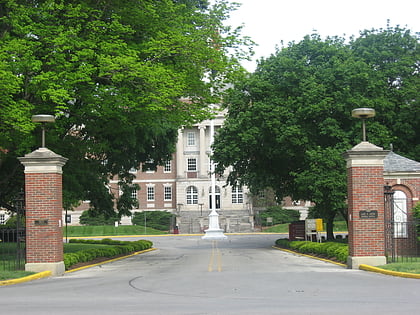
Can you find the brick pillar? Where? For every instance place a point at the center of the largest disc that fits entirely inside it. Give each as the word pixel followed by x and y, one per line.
pixel 43 192
pixel 366 205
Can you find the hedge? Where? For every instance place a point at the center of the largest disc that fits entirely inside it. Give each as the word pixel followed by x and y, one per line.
pixel 116 248
pixel 339 251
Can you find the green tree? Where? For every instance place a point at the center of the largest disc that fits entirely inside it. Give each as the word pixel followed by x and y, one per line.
pixel 116 75
pixel 290 121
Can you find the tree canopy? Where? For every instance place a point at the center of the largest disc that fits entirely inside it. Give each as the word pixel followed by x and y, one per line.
pixel 116 75
pixel 290 121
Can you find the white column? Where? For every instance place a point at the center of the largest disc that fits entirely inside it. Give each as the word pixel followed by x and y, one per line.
pixel 180 154
pixel 203 156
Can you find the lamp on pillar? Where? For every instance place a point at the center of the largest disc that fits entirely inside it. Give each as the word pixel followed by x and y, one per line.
pixel 44 206
pixel 43 119
pixel 363 114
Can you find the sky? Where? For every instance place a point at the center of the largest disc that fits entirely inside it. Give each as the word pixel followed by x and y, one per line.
pixel 268 22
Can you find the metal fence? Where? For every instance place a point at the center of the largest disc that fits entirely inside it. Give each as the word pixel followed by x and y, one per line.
pixel 12 249
pixel 402 241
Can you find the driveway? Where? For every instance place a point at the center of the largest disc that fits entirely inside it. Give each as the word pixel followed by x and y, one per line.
pixel 242 275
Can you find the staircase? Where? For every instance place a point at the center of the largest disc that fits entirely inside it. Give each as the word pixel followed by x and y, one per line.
pixel 231 221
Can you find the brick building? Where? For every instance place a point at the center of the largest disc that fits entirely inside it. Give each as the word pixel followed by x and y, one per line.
pixel 183 187
pixel 402 175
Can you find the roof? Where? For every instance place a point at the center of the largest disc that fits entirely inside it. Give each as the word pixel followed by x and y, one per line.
pixel 397 163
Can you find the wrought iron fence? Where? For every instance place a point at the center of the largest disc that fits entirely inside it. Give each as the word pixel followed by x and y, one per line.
pixel 13 237
pixel 402 241
pixel 12 249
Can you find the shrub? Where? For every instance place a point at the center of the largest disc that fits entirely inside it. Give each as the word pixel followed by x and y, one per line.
pixel 115 248
pixel 279 215
pixel 11 223
pixel 93 218
pixel 416 214
pixel 335 250
pixel 159 220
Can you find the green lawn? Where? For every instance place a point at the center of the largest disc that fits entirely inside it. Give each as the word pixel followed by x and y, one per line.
pixel 7 275
pixel 68 248
pixel 109 230
pixel 410 267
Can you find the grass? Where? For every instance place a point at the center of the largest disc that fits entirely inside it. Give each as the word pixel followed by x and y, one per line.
pixel 68 248
pixel 15 274
pixel 107 230
pixel 410 267
pixel 339 226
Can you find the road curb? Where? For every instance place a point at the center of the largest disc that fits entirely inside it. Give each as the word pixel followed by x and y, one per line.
pixel 313 257
pixel 111 260
pixel 38 275
pixel 48 273
pixel 389 272
pixel 361 267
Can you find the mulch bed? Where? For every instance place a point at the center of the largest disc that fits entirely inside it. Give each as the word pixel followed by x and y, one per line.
pixel 97 260
pixel 315 255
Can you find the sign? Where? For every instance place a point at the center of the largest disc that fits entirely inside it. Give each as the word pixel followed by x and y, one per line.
pixel 319 225
pixel 368 214
pixel 314 225
pixel 68 218
pixel 310 225
pixel 41 222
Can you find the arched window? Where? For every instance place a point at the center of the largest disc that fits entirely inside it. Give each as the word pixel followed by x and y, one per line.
pixel 192 195
pixel 400 214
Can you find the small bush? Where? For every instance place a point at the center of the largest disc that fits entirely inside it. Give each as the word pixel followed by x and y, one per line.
pixel 92 218
pixel 339 251
pixel 115 248
pixel 416 214
pixel 159 220
pixel 279 215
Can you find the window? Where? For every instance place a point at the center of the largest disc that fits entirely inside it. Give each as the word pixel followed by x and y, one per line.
pixel 168 193
pixel 2 218
pixel 149 166
pixel 237 195
pixel 190 139
pixel 192 165
pixel 167 168
pixel 150 193
pixel 400 214
pixel 216 197
pixel 134 193
pixel 192 195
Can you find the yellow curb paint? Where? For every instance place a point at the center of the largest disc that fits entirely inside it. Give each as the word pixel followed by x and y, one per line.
pixel 111 260
pixel 38 275
pixel 389 272
pixel 313 257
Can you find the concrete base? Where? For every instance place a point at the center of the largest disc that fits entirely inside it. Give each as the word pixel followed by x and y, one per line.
pixel 353 262
pixel 214 235
pixel 57 269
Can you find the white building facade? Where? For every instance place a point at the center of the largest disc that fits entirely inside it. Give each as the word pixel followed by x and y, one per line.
pixel 183 187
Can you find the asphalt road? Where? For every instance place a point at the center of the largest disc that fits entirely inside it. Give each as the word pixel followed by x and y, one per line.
pixel 242 275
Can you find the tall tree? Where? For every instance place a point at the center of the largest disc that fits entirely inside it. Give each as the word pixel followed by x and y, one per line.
pixel 290 121
pixel 114 74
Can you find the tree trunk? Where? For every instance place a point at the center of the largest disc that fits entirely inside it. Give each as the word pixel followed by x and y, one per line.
pixel 330 228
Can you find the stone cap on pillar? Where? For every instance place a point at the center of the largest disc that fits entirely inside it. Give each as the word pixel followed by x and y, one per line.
pixel 365 154
pixel 43 160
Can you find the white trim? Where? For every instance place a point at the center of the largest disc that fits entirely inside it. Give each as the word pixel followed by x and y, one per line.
pixel 148 181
